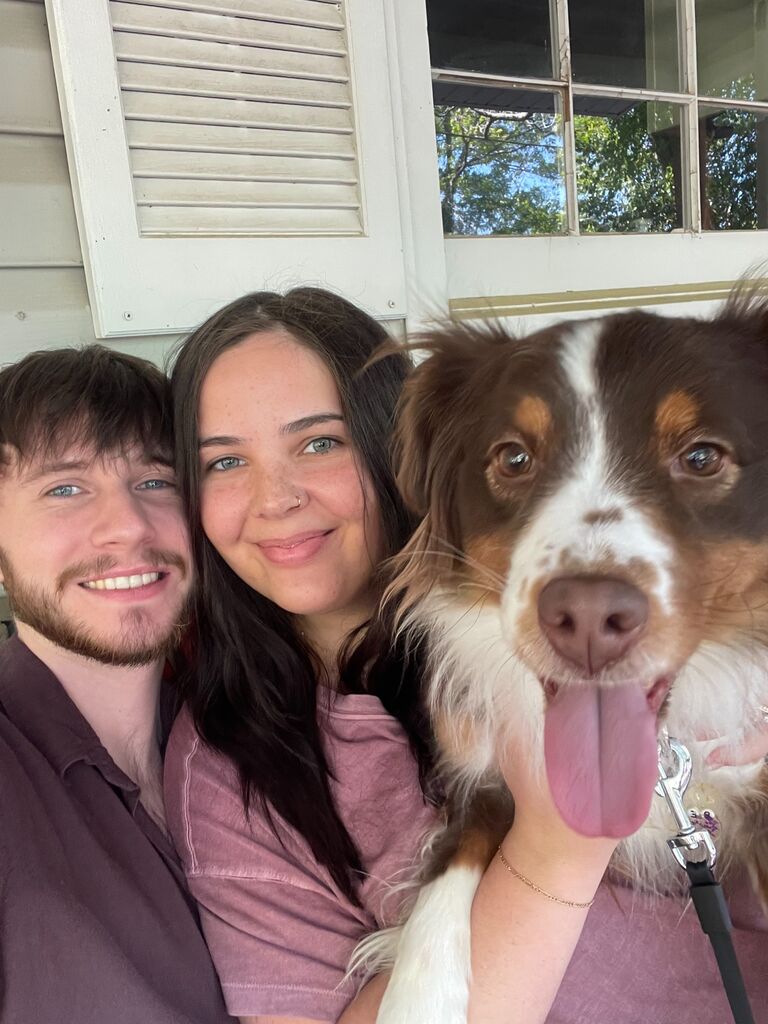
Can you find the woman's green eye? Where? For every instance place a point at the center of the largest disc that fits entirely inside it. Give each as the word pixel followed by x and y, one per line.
pixel 320 445
pixel 226 462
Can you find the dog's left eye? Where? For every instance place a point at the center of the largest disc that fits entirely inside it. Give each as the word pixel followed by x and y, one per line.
pixel 512 460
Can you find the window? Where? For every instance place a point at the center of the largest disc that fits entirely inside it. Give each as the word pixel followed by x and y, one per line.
pixel 580 117
pixel 583 154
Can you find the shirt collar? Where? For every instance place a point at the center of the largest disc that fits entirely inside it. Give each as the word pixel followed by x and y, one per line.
pixel 39 706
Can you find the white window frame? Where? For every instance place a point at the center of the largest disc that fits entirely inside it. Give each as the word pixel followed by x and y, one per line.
pixel 149 285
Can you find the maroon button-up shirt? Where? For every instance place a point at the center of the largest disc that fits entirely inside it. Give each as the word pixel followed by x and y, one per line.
pixel 96 924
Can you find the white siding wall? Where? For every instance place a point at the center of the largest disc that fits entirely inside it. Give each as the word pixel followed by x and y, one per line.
pixel 43 298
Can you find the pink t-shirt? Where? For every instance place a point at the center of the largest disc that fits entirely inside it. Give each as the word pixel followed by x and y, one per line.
pixel 643 961
pixel 279 929
pixel 281 933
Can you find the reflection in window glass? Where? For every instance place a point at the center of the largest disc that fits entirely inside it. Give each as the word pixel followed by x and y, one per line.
pixel 498 37
pixel 734 169
pixel 501 168
pixel 732 49
pixel 632 44
pixel 628 165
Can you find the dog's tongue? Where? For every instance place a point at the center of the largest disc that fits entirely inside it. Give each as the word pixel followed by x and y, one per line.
pixel 600 750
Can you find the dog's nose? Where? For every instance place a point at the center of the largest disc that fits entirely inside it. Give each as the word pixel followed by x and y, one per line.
pixel 592 622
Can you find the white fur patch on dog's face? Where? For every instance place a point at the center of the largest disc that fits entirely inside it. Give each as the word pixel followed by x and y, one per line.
pixel 475 677
pixel 701 705
pixel 589 523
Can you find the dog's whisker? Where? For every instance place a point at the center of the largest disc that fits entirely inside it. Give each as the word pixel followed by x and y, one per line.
pixel 467 560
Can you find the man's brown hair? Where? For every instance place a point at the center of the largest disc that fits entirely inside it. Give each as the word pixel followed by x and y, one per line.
pixel 105 401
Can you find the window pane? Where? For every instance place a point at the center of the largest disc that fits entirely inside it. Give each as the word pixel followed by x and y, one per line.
pixel 501 167
pixel 631 44
pixel 628 165
pixel 498 37
pixel 734 168
pixel 732 45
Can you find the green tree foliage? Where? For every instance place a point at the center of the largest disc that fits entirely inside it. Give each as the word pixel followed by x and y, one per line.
pixel 730 169
pixel 625 175
pixel 501 172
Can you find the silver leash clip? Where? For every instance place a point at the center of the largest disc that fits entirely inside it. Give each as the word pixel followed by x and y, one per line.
pixel 674 775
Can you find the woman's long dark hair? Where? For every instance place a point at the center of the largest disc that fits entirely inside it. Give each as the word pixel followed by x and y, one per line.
pixel 251 682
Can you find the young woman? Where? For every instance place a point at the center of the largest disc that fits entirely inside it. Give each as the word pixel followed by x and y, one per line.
pixel 296 777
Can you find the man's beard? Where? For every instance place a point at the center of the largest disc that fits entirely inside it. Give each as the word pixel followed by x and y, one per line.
pixel 140 641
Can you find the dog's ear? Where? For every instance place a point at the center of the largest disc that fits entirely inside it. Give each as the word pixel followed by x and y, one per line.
pixel 437 405
pixel 747 305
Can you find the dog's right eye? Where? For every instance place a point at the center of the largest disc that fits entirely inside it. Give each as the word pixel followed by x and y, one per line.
pixel 702 459
pixel 512 460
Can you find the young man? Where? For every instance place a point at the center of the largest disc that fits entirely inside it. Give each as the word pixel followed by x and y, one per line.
pixel 96 925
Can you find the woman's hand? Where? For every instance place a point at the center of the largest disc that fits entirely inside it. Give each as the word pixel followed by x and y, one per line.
pixel 545 848
pixel 523 939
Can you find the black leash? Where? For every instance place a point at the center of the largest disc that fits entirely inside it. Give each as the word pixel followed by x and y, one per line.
pixel 706 893
pixel 709 901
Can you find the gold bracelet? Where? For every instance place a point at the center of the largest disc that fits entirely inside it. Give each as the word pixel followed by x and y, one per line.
pixel 532 885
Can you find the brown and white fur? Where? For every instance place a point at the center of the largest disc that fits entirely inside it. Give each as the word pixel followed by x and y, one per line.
pixel 644 446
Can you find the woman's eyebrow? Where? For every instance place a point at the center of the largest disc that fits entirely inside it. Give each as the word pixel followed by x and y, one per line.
pixel 218 441
pixel 310 421
pixel 226 440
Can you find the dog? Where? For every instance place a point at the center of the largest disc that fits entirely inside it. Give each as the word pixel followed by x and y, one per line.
pixel 594 543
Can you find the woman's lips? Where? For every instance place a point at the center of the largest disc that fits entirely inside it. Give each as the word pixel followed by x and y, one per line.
pixel 295 550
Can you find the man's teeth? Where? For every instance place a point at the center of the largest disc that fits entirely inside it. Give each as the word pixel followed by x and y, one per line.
pixel 123 582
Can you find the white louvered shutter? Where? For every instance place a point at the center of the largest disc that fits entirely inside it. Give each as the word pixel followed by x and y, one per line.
pixel 225 145
pixel 239 118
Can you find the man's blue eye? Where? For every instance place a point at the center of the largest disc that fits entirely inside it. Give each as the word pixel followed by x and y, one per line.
pixel 226 462
pixel 63 491
pixel 321 445
pixel 156 485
